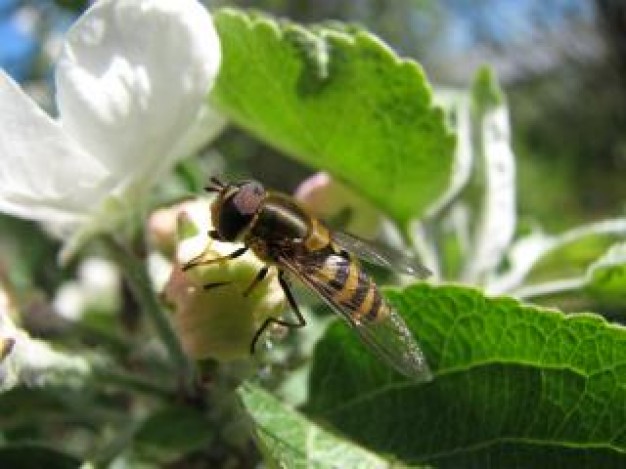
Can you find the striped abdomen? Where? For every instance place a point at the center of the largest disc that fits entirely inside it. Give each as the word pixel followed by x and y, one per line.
pixel 350 287
pixel 340 278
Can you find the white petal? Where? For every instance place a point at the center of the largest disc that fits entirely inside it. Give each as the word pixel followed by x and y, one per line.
pixel 207 126
pixel 132 78
pixel 44 174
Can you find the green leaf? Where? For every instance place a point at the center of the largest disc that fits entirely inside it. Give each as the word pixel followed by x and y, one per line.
pixel 515 385
pixel 289 440
pixel 570 253
pixel 77 6
pixel 338 100
pixel 486 91
pixel 606 278
pixel 172 432
pixel 34 456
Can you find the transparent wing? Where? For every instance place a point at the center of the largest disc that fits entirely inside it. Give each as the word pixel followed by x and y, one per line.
pixel 389 338
pixel 380 255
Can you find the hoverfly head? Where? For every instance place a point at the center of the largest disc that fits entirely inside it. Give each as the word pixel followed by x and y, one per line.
pixel 235 207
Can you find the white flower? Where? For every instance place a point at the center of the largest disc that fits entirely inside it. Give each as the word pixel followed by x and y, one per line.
pixel 131 86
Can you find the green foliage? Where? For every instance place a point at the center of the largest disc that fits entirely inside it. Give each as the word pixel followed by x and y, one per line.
pixel 33 254
pixel 28 456
pixel 337 100
pixel 172 431
pixel 486 91
pixel 606 279
pixel 574 256
pixel 289 440
pixel 513 385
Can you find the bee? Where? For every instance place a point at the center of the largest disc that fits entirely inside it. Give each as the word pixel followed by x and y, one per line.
pixel 285 236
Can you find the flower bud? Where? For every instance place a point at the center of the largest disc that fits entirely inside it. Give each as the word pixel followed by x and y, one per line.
pixel 340 206
pixel 162 229
pixel 213 316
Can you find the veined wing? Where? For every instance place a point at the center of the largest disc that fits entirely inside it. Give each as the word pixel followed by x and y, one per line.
pixel 380 255
pixel 387 336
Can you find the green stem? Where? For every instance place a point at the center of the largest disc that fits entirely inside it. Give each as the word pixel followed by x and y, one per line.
pixel 139 283
pixel 129 381
pixel 120 443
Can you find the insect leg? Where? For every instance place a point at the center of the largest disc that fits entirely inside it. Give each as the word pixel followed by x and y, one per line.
pixel 294 306
pixel 216 187
pixel 197 261
pixel 259 277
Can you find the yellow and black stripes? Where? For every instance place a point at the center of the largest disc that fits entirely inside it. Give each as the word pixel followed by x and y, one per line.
pixel 347 286
pixel 364 301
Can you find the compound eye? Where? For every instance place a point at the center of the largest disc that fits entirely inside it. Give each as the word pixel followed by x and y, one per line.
pixel 249 198
pixel 232 221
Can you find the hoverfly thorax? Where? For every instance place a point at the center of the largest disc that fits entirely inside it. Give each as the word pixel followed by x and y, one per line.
pixel 235 208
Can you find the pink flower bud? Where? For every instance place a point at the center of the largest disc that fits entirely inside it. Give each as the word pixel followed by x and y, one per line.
pixel 338 205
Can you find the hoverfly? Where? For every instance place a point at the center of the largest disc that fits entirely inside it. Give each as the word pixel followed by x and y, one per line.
pixel 285 236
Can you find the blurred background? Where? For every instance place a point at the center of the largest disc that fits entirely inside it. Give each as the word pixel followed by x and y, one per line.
pixel 562 65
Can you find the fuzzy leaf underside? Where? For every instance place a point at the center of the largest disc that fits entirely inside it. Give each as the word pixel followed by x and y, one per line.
pixel 290 440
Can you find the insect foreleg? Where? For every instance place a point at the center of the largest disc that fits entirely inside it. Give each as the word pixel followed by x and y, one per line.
pixel 294 306
pixel 198 260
